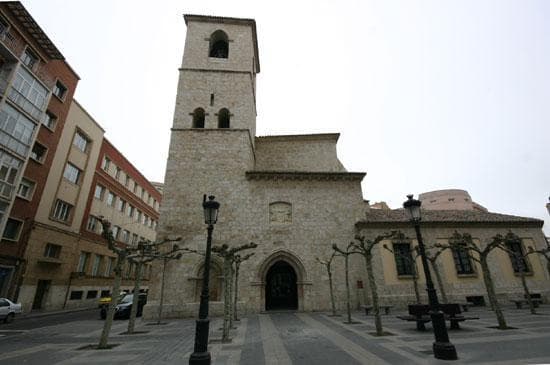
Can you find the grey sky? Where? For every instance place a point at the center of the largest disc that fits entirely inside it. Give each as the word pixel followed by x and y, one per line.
pixel 426 94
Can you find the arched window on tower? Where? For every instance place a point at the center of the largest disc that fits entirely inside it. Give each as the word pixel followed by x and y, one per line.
pixel 223 118
pixel 198 118
pixel 219 45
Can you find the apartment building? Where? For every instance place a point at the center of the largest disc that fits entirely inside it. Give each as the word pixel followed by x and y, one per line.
pixel 36 90
pixel 58 175
pixel 68 263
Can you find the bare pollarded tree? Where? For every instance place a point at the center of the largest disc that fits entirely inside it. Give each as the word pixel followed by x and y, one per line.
pixel 238 260
pixel 328 266
pixel 228 256
pixel 512 245
pixel 480 254
pixel 432 259
pixel 121 254
pixel 544 252
pixel 364 246
pixel 345 253
pixel 409 256
pixel 140 254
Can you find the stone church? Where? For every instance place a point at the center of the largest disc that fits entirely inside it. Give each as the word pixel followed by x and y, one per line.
pixel 287 193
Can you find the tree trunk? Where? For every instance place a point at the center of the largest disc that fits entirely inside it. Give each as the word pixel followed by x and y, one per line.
pixel 331 291
pixel 415 285
pixel 439 282
pixel 348 297
pixel 374 294
pixel 226 299
pixel 236 295
pixel 232 297
pixel 162 289
pixel 135 300
pixel 114 299
pixel 526 290
pixel 491 293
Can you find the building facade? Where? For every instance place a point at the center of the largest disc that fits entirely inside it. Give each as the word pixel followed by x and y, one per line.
pixel 68 263
pixel 288 194
pixel 54 181
pixel 36 88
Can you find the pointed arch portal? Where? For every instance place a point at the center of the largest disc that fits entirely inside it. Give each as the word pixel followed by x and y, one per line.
pixel 282 281
pixel 281 289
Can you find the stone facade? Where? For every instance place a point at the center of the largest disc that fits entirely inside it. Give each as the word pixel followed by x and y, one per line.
pixel 288 194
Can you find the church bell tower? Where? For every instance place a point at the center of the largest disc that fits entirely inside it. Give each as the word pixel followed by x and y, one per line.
pixel 217 85
pixel 212 137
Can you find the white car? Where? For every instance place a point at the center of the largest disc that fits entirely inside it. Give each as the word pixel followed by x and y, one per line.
pixel 8 310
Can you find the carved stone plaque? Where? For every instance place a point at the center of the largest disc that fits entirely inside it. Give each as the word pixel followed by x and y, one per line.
pixel 280 213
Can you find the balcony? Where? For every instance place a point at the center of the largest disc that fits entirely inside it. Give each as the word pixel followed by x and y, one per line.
pixel 26 105
pixel 11 48
pixel 6 190
pixel 10 43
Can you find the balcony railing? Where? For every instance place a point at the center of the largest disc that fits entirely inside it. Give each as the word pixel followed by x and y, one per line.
pixel 26 105
pixel 16 46
pixel 11 42
pixel 9 141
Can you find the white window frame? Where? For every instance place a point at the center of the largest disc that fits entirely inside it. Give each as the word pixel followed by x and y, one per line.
pixel 99 190
pixel 111 201
pixel 72 173
pixel 62 211
pixel 30 185
pixel 81 141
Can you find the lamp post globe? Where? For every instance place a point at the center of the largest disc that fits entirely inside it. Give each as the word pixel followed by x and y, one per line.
pixel 200 355
pixel 442 347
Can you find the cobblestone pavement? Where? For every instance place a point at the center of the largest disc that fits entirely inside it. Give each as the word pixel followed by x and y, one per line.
pixel 285 338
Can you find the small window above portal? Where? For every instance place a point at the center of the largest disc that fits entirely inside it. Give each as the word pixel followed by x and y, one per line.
pixel 219 45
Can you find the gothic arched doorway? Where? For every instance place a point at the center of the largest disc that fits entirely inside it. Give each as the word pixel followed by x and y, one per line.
pixel 281 291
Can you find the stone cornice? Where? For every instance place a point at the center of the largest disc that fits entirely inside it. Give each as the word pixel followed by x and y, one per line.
pixel 303 175
pixel 450 224
pixel 301 137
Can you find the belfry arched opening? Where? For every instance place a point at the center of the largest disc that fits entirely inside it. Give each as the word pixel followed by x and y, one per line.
pixel 281 291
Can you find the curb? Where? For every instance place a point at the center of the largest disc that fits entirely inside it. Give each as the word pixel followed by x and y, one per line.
pixel 53 313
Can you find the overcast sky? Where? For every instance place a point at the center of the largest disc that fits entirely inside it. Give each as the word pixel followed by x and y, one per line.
pixel 427 95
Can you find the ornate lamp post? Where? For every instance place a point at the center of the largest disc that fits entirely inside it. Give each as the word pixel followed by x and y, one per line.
pixel 442 347
pixel 200 354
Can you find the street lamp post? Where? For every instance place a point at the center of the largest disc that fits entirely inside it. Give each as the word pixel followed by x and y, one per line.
pixel 200 354
pixel 442 347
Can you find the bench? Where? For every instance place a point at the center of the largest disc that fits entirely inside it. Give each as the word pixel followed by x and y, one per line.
pixel 368 308
pixel 520 302
pixel 466 306
pixel 420 314
pixel 453 314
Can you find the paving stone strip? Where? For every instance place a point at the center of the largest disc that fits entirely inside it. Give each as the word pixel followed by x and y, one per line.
pixel 359 353
pixel 274 350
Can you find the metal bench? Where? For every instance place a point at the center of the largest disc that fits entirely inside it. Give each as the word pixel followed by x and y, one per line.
pixel 520 302
pixel 453 314
pixel 420 313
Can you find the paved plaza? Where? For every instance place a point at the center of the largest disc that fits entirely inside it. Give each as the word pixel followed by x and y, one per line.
pixel 283 338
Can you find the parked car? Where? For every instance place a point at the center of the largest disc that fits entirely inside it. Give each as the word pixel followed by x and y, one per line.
pixel 8 310
pixel 124 308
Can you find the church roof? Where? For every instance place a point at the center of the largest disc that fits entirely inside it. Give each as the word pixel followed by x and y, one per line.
pixel 229 20
pixel 375 217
